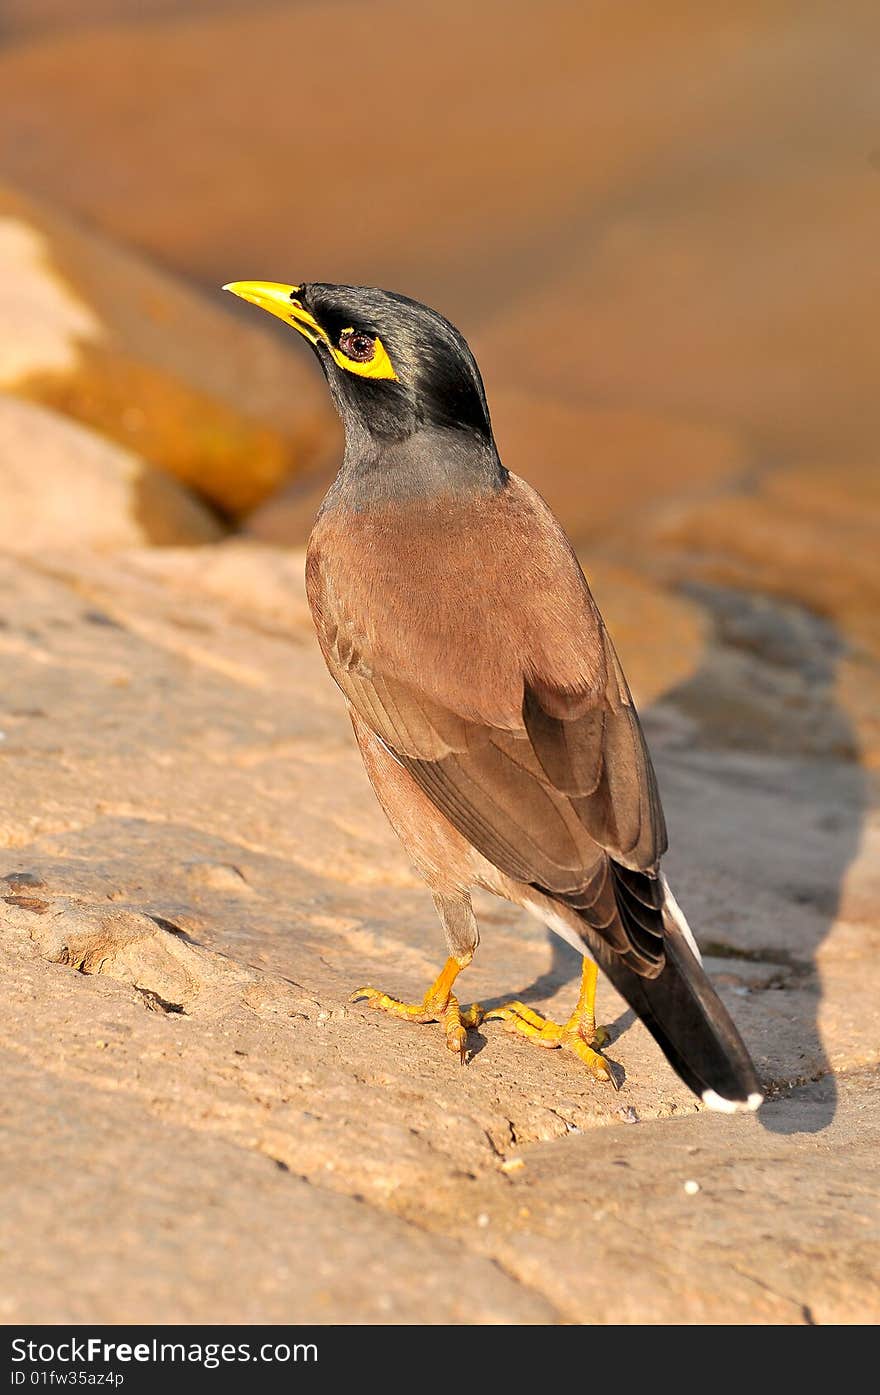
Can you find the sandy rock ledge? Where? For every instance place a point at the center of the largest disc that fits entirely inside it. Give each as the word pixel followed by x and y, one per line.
pixel 201 883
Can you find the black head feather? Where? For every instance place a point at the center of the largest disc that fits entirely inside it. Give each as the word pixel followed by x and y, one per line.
pixel 438 382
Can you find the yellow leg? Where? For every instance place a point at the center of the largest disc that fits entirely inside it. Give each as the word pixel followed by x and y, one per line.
pixel 438 1005
pixel 580 1035
pixel 583 1019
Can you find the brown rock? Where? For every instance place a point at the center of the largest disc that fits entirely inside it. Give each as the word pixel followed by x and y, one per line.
pixel 63 486
pixel 98 335
pixel 645 230
pixel 600 467
pixel 255 1228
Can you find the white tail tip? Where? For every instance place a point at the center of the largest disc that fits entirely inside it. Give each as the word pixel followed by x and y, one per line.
pixel 714 1101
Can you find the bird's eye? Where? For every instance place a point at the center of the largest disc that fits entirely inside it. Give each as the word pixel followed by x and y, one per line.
pixel 357 345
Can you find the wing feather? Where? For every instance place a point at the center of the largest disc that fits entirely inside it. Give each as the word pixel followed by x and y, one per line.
pixel 539 759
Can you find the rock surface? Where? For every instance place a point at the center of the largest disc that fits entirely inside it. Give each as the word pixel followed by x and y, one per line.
pixel 61 483
pixel 194 876
pixel 94 332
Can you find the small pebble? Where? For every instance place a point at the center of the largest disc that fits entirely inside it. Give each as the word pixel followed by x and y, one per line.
pixel 512 1165
pixel 628 1115
pixel 691 1187
pixel 482 1220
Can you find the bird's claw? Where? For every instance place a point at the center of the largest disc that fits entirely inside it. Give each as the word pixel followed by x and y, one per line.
pixel 576 1036
pixel 438 1005
pixel 579 1035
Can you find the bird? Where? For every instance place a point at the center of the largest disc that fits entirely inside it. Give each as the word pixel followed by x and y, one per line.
pixel 486 696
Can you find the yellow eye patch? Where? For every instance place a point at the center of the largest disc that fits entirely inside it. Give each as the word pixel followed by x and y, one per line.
pixel 378 365
pixel 282 301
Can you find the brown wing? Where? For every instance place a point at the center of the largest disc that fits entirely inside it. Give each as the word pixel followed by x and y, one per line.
pixel 467 639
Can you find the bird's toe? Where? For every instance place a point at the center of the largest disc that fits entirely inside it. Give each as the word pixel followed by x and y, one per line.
pixel 599 1066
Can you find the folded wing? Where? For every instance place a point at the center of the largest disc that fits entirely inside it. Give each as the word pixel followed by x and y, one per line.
pixel 552 782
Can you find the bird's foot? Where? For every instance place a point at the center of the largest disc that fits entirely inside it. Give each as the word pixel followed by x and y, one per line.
pixel 438 1005
pixel 580 1036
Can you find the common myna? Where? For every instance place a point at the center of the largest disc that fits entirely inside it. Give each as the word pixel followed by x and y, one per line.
pixel 488 702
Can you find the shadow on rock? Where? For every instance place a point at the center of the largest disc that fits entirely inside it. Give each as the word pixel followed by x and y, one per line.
pixel 564 968
pixel 765 802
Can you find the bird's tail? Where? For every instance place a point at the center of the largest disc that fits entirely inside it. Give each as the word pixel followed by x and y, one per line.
pixel 685 1016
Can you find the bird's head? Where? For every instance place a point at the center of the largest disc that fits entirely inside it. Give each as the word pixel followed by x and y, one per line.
pixel 393 365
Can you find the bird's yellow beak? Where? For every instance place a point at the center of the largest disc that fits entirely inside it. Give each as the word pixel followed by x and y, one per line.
pixel 281 301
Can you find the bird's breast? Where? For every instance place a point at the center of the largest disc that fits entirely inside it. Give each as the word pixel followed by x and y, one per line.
pixel 459 598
